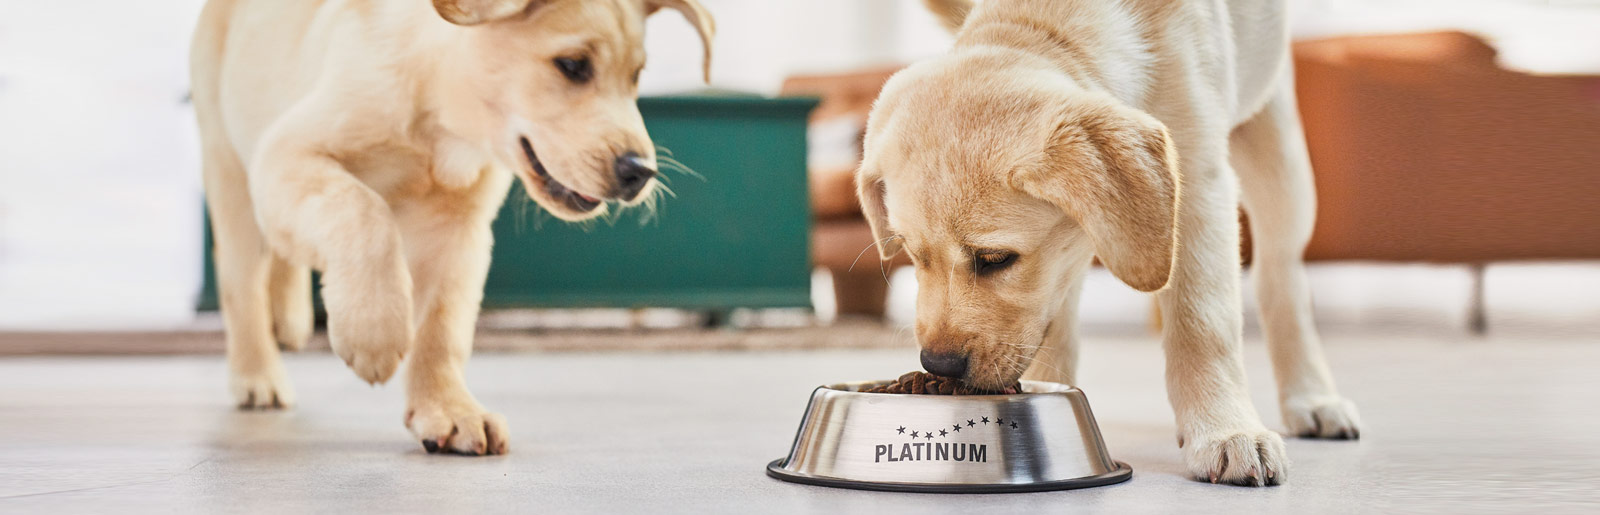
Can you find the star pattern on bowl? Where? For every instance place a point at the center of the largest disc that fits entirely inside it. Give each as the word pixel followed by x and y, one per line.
pixel 998 423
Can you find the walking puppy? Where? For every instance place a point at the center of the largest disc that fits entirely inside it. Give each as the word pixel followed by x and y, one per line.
pixel 1060 130
pixel 374 141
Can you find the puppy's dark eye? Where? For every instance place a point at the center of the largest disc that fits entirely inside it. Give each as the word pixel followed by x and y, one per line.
pixel 576 69
pixel 636 75
pixel 991 262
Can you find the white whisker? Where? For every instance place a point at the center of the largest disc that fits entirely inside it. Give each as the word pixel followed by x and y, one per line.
pixel 880 260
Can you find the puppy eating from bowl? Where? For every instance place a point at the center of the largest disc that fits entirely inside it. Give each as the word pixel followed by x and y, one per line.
pixel 375 141
pixel 1056 132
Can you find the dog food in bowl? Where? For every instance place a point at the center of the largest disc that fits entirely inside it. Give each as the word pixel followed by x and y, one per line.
pixel 923 383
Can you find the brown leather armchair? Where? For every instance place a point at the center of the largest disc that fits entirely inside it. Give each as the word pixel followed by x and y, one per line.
pixel 1426 150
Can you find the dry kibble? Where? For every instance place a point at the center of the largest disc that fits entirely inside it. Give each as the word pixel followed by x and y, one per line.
pixel 923 383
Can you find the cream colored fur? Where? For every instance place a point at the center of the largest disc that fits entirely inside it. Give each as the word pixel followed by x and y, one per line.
pixel 374 140
pixel 1060 130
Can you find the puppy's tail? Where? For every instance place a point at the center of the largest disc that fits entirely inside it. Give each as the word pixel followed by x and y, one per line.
pixel 952 13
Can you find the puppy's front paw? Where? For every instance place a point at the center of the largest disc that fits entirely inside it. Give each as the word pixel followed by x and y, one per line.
pixel 1321 416
pixel 460 426
pixel 1254 457
pixel 265 388
pixel 372 338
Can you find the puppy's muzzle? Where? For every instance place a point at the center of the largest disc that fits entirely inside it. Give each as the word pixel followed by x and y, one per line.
pixel 633 174
pixel 948 365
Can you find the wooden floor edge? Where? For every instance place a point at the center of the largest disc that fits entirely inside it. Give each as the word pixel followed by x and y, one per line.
pixel 488 340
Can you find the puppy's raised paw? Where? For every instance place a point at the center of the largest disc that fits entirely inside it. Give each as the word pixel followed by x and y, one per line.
pixel 1255 457
pixel 458 427
pixel 1321 416
pixel 372 338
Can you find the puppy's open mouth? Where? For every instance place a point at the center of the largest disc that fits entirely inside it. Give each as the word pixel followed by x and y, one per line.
pixel 557 191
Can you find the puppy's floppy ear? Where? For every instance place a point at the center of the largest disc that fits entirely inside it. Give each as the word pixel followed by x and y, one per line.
pixel 870 190
pixel 474 12
pixel 697 16
pixel 951 13
pixel 1114 170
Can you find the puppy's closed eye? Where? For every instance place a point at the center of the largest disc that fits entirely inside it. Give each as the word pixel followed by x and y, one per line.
pixel 576 69
pixel 990 261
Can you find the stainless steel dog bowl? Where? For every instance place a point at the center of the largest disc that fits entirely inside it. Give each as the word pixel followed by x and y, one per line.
pixel 1042 439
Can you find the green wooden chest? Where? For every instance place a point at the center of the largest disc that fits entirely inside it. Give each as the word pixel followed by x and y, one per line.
pixel 736 233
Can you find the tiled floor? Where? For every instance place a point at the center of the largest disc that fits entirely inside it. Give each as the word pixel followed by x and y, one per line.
pixel 1454 426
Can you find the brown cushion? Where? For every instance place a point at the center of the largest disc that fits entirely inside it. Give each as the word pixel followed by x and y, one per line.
pixel 833 195
pixel 1447 159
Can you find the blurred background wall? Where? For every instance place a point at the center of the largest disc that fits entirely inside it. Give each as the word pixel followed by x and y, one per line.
pixel 100 194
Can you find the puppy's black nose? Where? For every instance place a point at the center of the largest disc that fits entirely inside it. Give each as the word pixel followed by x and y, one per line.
pixel 948 365
pixel 632 175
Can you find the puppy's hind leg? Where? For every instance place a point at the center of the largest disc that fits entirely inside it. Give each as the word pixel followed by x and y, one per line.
pixel 257 378
pixel 290 291
pixel 1269 153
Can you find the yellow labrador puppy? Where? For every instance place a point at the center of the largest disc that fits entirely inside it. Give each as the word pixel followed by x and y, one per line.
pixel 1060 130
pixel 374 141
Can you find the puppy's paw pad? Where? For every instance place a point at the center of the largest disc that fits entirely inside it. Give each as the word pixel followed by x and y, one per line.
pixel 374 366
pixel 1245 458
pixel 1322 416
pixel 459 428
pixel 261 391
